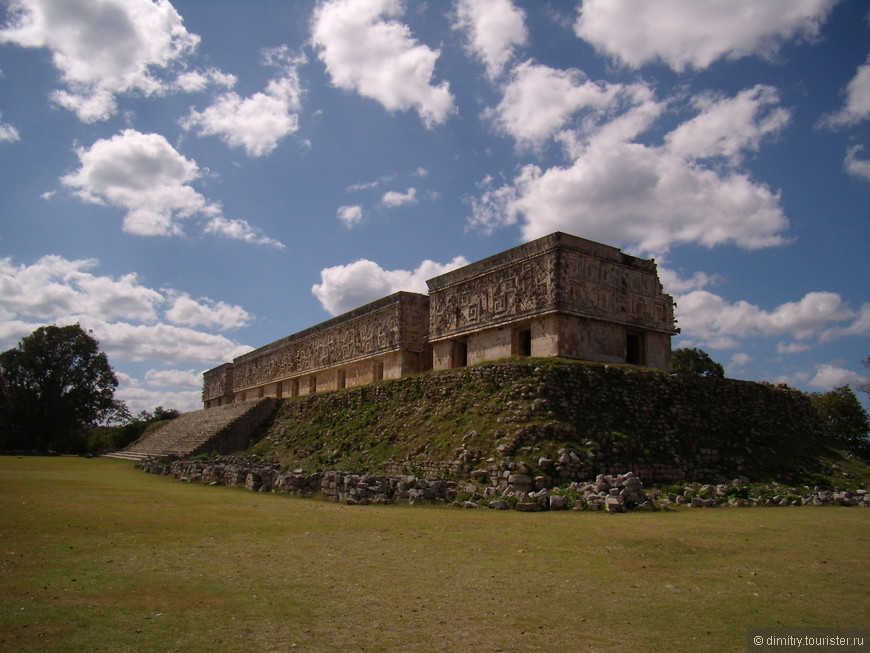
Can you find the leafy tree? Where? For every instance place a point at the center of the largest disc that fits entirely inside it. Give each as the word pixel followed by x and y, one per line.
pixel 865 387
pixel 696 362
pixel 54 385
pixel 845 417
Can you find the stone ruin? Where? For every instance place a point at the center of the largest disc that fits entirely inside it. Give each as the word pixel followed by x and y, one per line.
pixel 559 295
pixel 612 493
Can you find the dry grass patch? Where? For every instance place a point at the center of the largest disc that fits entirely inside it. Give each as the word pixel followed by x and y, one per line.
pixel 96 556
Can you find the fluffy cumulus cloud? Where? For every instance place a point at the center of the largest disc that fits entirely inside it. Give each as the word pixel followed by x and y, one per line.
pixel 709 320
pixel 350 215
pixel 728 127
pixel 645 196
pixel 539 100
pixel 689 34
pixel 174 378
pixel 828 376
pixel 366 50
pixel 256 123
pixel 855 165
pixel 8 133
pixel 57 288
pixel 138 398
pixel 206 313
pixel 132 321
pixel 493 28
pixel 393 198
pixel 147 178
pixel 103 48
pixel 345 287
pixel 857 106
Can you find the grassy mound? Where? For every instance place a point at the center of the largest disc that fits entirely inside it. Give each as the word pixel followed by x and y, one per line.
pixel 609 418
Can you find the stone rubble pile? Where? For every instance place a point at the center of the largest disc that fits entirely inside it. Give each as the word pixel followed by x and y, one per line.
pixel 738 493
pixel 514 489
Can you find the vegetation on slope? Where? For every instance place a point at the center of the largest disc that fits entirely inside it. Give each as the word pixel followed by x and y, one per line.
pixel 526 410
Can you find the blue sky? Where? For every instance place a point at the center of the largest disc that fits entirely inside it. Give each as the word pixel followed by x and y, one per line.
pixel 195 179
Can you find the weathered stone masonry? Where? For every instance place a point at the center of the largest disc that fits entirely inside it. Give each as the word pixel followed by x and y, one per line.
pixel 559 295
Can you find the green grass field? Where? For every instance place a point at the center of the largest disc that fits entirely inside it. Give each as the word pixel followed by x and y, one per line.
pixel 98 556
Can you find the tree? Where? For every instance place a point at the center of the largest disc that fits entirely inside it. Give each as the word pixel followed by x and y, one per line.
pixel 865 386
pixel 845 417
pixel 54 385
pixel 696 362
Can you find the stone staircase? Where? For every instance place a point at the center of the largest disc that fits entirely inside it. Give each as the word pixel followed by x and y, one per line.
pixel 223 429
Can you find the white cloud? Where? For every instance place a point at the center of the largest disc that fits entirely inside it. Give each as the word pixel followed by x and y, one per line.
pixel 259 122
pixel 854 165
pixel 206 313
pixel 691 34
pixel 379 58
pixel 145 176
pixel 739 360
pixel 726 127
pixel 539 100
pixel 174 378
pixel 828 377
pixel 709 319
pixel 124 314
pixel 55 288
pixel 239 230
pixel 164 342
pixel 8 133
pixel 860 326
pixel 673 283
pixel 791 347
pixel 393 198
pixel 194 81
pixel 345 287
pixel 104 48
pixel 139 399
pixel 645 196
pixel 636 195
pixel 857 107
pixel 493 28
pixel 350 215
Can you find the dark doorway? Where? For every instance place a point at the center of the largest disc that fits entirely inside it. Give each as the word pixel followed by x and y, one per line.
pixel 634 349
pixel 524 342
pixel 459 354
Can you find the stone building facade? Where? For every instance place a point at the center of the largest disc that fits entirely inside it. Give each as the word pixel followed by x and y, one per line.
pixel 559 295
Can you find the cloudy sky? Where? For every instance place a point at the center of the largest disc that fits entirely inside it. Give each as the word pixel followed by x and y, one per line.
pixel 191 180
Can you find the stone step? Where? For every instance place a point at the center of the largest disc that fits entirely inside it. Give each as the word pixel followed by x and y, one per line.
pixel 126 455
pixel 201 431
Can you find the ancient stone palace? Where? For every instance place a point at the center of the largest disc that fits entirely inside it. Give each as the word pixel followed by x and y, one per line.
pixel 559 295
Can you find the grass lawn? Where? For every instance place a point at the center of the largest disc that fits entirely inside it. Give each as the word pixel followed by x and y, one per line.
pixel 98 556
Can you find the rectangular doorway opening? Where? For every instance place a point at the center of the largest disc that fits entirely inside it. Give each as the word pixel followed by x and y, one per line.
pixel 522 345
pixel 459 353
pixel 634 349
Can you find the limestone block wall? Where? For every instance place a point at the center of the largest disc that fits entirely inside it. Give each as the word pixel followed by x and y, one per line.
pixel 559 295
pixel 385 339
pixel 498 290
pixel 217 386
pixel 556 296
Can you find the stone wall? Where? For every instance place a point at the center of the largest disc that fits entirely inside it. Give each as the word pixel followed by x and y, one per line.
pixel 217 386
pixel 608 492
pixel 563 420
pixel 385 339
pixel 572 297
